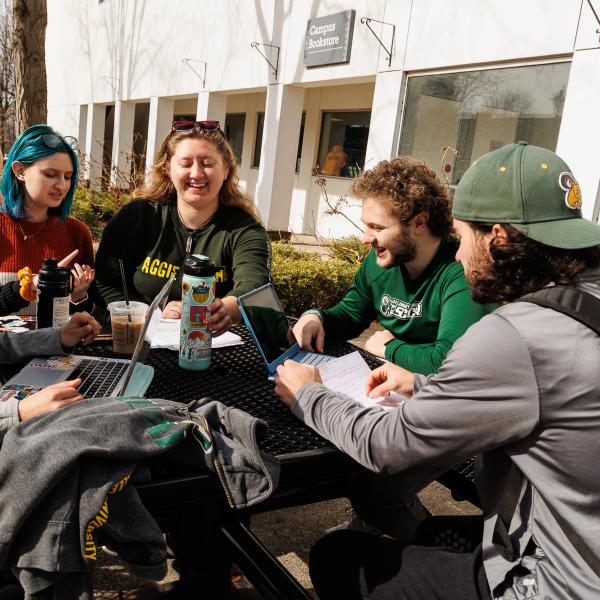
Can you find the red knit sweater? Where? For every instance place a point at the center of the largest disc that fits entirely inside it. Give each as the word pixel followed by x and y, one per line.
pixel 52 239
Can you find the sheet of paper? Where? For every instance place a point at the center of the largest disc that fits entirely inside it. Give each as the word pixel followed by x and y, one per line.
pixel 348 375
pixel 164 333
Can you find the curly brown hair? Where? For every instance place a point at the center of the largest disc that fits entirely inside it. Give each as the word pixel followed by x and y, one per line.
pixel 518 265
pixel 408 187
pixel 160 187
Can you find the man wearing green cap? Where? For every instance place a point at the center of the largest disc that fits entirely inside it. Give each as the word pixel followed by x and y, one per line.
pixel 520 389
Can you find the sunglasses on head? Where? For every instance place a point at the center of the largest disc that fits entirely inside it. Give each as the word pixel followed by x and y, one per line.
pixel 53 140
pixel 186 125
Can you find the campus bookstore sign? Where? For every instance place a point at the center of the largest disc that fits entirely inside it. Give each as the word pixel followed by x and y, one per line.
pixel 329 39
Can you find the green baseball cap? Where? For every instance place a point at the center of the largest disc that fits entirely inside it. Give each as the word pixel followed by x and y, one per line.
pixel 531 189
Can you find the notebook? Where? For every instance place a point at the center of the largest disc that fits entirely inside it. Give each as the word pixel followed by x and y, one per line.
pixel 99 376
pixel 266 321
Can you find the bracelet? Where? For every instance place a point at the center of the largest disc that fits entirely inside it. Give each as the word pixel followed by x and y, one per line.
pixel 86 297
pixel 313 311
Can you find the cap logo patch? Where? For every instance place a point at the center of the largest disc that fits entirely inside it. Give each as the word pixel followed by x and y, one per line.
pixel 573 192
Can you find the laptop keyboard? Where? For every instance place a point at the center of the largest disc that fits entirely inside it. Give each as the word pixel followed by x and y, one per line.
pixel 98 378
pixel 315 359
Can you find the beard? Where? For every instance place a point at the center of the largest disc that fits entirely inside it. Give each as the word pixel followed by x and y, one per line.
pixel 400 252
pixel 479 273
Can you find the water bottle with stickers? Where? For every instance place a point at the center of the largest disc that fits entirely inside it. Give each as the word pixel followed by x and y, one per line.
pixel 197 292
pixel 54 283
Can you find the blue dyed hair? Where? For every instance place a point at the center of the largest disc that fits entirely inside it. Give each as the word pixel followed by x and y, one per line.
pixel 29 147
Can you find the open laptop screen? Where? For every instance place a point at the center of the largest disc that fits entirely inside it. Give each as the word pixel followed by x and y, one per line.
pixel 268 322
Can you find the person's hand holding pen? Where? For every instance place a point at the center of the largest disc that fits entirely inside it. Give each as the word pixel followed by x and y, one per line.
pixel 389 378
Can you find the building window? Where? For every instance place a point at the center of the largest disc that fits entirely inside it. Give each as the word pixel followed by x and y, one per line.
pixel 479 111
pixel 260 123
pixel 343 143
pixel 234 132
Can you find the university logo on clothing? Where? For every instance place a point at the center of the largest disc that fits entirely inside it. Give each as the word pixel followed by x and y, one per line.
pixel 394 307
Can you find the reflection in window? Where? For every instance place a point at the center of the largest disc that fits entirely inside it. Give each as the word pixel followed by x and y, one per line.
pixel 260 123
pixel 480 111
pixel 234 132
pixel 343 143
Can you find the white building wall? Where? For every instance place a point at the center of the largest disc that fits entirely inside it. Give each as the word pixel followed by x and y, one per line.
pixel 122 51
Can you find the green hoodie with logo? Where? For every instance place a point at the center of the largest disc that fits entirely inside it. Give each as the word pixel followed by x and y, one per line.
pixel 426 315
pixel 152 241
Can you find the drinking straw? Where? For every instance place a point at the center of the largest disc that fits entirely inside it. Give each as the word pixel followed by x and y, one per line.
pixel 125 288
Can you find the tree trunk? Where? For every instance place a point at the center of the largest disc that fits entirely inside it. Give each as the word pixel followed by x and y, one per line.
pixel 29 39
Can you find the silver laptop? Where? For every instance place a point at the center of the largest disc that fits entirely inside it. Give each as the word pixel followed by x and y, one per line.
pixel 99 376
pixel 266 321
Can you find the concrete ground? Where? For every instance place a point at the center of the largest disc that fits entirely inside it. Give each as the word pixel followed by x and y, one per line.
pixel 287 533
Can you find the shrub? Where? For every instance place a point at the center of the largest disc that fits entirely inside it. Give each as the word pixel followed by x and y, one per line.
pixel 350 249
pixel 304 283
pixel 285 251
pixel 96 208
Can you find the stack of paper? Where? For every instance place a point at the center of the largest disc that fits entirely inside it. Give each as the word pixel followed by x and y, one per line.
pixel 164 333
pixel 348 375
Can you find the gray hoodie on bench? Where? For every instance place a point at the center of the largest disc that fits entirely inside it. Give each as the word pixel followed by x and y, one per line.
pixel 66 485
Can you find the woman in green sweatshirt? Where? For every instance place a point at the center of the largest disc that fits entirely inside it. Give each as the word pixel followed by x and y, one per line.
pixel 192 204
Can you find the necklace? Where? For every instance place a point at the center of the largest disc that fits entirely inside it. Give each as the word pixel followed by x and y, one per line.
pixel 192 228
pixel 30 235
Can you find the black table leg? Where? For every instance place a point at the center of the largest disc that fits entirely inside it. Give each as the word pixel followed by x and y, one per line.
pixel 268 576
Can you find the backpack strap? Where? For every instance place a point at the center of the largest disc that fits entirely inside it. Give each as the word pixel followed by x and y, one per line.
pixel 574 302
pixel 585 308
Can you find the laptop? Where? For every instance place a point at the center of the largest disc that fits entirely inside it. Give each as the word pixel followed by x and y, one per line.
pixel 266 321
pixel 99 376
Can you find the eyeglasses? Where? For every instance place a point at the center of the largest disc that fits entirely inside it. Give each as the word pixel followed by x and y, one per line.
pixel 186 125
pixel 53 140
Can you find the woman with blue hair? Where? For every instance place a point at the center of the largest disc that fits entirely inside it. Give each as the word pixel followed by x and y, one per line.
pixel 38 184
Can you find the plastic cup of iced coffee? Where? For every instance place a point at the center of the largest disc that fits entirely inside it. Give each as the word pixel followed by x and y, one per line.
pixel 127 322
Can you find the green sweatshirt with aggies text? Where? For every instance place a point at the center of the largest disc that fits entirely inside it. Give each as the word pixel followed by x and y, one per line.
pixel 426 315
pixel 151 240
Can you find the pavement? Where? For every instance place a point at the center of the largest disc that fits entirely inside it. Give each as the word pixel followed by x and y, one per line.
pixel 288 534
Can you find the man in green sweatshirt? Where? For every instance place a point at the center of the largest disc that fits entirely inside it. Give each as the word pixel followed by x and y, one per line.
pixel 410 281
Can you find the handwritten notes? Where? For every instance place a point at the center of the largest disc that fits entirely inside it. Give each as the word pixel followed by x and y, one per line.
pixel 348 375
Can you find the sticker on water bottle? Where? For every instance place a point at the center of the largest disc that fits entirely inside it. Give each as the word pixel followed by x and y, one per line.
pixel 60 311
pixel 201 292
pixel 198 317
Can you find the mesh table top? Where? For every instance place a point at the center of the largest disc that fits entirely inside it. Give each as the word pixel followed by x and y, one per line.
pixel 237 377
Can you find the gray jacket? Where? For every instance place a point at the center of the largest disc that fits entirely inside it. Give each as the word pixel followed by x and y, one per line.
pixel 521 383
pixel 66 485
pixel 15 347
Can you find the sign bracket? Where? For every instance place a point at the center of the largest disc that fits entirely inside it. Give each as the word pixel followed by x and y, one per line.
pixel 366 21
pixel 188 61
pixel 595 15
pixel 274 67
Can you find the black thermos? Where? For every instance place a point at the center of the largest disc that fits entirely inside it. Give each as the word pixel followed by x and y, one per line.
pixel 54 283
